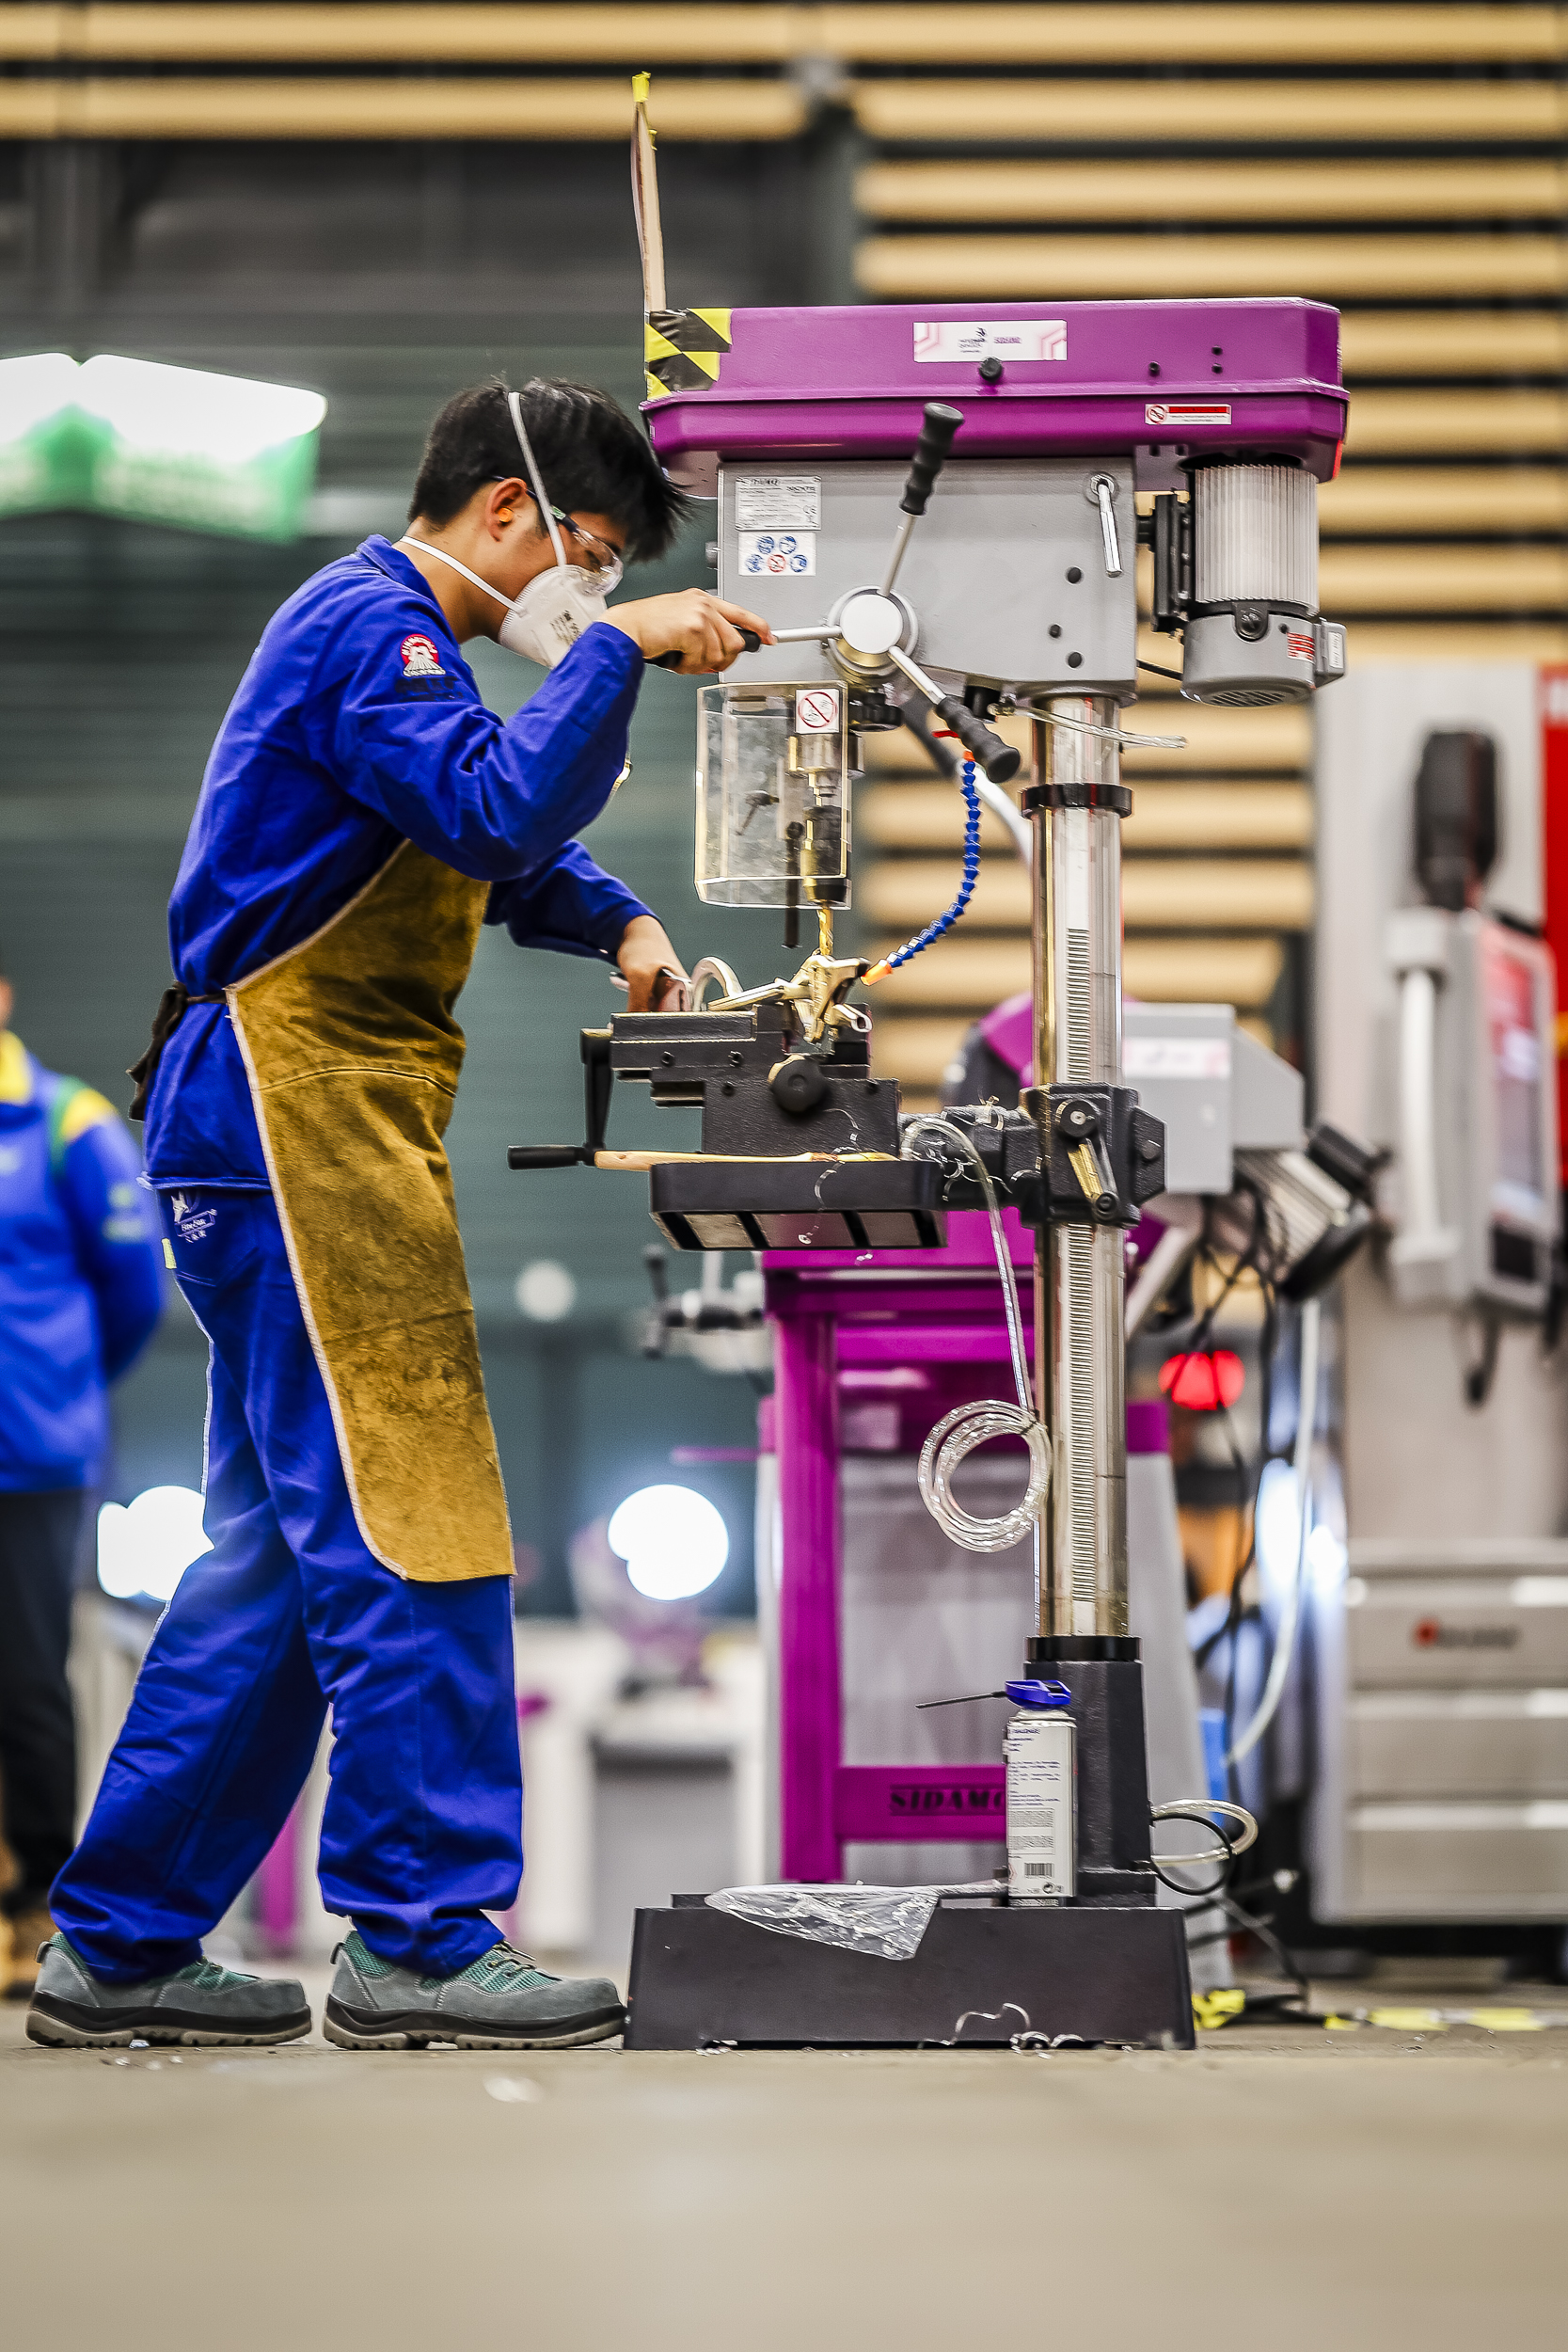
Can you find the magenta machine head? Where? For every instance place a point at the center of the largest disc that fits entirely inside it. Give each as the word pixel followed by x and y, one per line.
pixel 1020 579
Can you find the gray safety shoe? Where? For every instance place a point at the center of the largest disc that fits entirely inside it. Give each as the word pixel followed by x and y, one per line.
pixel 501 2001
pixel 73 2009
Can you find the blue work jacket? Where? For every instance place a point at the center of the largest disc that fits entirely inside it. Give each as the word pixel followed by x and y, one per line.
pixel 357 726
pixel 81 1281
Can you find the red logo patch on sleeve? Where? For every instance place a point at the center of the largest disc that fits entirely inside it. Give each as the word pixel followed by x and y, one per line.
pixel 419 659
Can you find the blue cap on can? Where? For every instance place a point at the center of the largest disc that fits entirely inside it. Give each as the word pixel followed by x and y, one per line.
pixel 1039 1694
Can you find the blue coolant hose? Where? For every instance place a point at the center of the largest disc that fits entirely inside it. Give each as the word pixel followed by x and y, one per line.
pixel 965 781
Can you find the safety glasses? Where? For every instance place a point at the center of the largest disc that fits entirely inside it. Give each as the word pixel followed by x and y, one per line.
pixel 601 562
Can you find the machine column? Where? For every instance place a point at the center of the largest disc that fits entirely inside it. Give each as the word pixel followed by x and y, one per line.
pixel 1077 803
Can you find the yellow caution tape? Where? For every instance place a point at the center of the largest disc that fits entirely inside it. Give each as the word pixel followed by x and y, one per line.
pixel 1210 2011
pixel 1407 2020
pixel 683 350
pixel 1343 2024
pixel 1506 2020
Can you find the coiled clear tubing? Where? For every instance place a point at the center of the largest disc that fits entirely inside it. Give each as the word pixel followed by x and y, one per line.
pixel 958 1433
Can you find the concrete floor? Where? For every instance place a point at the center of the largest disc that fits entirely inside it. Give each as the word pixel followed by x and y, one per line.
pixel 1293 2188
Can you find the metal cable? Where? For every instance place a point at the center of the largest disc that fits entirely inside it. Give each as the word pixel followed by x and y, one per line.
pixel 1285 1641
pixel 959 1433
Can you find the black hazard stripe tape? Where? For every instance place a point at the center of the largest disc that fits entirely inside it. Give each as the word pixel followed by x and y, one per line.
pixel 683 350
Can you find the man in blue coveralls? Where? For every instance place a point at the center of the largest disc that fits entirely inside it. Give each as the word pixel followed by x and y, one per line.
pixel 362 814
pixel 81 1291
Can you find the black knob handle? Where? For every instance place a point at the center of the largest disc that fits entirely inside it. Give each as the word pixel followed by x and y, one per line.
pixel 999 761
pixel 748 638
pixel 798 1084
pixel 930 454
pixel 545 1155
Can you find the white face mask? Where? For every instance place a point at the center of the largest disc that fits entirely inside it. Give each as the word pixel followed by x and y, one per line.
pixel 552 614
pixel 546 620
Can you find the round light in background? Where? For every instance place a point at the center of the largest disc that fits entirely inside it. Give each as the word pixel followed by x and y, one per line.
pixel 544 1291
pixel 673 1541
pixel 145 1547
pixel 1206 1381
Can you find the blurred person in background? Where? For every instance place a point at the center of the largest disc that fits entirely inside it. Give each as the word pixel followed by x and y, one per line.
pixel 363 815
pixel 81 1290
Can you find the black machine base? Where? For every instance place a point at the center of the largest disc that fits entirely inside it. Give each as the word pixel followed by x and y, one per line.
pixel 701 1977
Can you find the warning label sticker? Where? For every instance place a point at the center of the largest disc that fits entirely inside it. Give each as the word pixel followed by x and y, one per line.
pixel 778 552
pixel 1298 644
pixel 989 338
pixel 816 710
pixel 1187 412
pixel 778 501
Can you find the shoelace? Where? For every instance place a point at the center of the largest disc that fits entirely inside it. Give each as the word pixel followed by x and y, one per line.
pixel 211 1975
pixel 502 1965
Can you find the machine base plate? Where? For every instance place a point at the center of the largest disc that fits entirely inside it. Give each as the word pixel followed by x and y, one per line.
pixel 701 1977
pixel 799 1204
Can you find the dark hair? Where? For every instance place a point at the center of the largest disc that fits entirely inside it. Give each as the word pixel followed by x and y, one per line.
pixel 593 458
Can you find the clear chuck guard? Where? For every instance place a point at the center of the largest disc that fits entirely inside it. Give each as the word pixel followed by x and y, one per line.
pixel 774 769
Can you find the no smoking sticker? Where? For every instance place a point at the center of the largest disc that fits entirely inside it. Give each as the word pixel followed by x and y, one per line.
pixel 817 711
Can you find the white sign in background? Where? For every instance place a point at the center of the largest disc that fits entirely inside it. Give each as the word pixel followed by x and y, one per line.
pixel 1176 1057
pixel 991 339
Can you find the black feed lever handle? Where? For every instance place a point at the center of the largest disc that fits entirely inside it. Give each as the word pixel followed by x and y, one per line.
pixel 931 452
pixel 748 638
pixel 597 1080
pixel 999 761
pixel 545 1155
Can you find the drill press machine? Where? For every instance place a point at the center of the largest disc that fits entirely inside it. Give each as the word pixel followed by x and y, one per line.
pixel 995 574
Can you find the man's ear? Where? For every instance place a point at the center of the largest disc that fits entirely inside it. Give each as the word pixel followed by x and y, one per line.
pixel 506 503
pixel 7 1002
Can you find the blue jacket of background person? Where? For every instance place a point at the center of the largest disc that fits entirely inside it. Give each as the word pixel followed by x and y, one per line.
pixel 81 1281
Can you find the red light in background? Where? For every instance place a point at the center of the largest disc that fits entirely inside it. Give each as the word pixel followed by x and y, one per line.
pixel 1204 1381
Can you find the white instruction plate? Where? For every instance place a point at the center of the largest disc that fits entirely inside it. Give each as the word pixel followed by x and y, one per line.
pixel 991 339
pixel 778 501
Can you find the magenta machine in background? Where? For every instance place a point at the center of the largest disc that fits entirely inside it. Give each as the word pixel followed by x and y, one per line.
pixel 935 515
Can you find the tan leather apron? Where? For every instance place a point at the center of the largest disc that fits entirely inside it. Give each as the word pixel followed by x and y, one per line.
pixel 354 1058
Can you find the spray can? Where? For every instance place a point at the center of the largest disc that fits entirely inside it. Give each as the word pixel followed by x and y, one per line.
pixel 1040 1751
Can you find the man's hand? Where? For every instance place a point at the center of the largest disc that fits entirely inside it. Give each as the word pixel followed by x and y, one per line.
pixel 703 630
pixel 648 962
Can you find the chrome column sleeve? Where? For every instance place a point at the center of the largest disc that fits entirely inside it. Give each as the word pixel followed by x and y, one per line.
pixel 1080 1351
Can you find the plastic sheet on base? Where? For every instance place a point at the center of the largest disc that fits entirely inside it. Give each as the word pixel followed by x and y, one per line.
pixel 886 1922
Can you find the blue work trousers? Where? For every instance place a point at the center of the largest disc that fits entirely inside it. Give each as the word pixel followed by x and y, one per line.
pixel 289 1615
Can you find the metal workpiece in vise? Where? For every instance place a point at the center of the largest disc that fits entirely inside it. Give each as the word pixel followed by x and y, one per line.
pixel 761 1093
